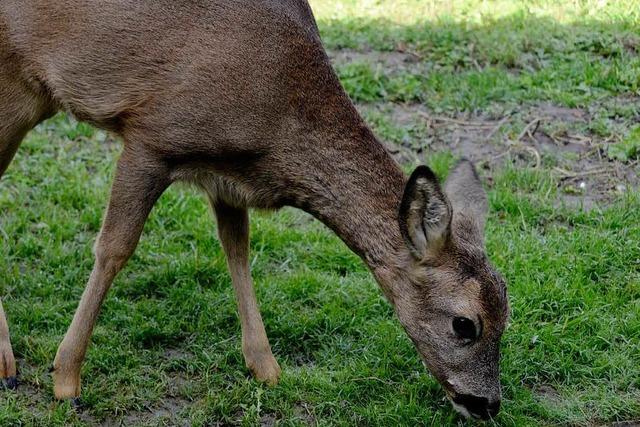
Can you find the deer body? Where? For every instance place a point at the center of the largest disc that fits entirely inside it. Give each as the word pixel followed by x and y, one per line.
pixel 239 97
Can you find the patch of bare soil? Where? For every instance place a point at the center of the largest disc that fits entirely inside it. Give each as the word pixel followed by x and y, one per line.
pixel 166 413
pixel 176 354
pixel 170 410
pixel 35 396
pixel 268 420
pixel 542 136
pixel 303 411
pixel 547 394
pixel 392 62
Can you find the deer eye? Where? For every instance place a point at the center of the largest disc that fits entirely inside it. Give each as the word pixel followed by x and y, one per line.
pixel 464 328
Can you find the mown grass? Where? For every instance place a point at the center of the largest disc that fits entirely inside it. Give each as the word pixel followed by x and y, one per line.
pixel 477 53
pixel 166 350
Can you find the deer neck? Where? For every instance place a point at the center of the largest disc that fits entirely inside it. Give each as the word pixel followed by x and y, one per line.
pixel 354 187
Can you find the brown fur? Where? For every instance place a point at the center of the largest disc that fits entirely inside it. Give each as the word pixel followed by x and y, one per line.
pixel 239 97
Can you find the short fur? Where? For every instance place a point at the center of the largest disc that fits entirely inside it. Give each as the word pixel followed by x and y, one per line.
pixel 239 97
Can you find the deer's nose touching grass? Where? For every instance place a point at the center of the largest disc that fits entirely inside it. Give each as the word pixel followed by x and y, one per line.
pixel 196 95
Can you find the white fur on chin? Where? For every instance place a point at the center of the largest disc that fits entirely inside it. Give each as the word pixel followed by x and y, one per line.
pixel 461 409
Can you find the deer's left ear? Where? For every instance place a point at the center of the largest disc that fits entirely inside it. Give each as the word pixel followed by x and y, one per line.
pixel 467 196
pixel 425 213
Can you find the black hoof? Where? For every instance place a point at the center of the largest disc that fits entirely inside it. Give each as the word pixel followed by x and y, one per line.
pixel 10 383
pixel 76 404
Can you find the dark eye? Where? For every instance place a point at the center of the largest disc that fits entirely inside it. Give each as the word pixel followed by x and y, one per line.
pixel 464 328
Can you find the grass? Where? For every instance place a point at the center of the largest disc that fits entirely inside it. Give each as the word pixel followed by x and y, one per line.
pixel 476 53
pixel 166 349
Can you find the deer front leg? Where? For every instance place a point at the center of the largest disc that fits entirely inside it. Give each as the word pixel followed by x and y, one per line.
pixel 139 181
pixel 20 110
pixel 233 229
pixel 7 362
pixel 9 142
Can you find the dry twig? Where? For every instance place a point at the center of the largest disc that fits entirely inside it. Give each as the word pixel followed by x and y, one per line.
pixel 455 121
pixel 527 129
pixel 535 154
pixel 571 174
pixel 497 127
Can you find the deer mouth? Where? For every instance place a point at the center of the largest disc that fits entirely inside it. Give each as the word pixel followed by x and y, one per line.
pixel 469 406
pixel 474 406
pixel 451 395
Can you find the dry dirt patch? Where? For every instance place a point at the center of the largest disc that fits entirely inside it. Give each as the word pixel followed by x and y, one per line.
pixel 542 136
pixel 391 62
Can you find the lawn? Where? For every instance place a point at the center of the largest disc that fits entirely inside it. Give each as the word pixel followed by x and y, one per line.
pixel 545 97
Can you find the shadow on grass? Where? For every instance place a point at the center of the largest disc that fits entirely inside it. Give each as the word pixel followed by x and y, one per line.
pixel 464 66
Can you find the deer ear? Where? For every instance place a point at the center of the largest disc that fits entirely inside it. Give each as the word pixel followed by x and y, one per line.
pixel 467 196
pixel 425 213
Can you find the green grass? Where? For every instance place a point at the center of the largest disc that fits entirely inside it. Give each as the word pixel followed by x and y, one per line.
pixel 167 342
pixel 476 53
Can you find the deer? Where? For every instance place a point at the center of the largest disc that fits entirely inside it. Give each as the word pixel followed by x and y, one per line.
pixel 239 97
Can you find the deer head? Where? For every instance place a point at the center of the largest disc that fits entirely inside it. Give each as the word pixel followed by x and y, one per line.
pixel 454 304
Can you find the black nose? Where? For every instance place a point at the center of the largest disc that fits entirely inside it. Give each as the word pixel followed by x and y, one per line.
pixel 478 407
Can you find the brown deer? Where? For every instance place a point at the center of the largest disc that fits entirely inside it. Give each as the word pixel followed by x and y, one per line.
pixel 239 97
